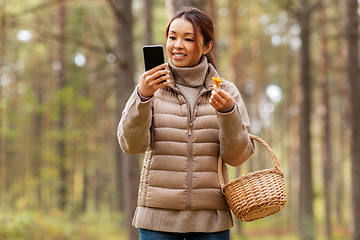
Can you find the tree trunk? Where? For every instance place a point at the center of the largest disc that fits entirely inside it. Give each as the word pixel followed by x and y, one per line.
pixel 85 194
pixel 234 47
pixel 344 115
pixel 352 37
pixel 148 8
pixel 38 136
pixel 306 221
pixel 291 143
pixel 256 73
pixel 172 6
pixel 98 189
pixel 2 62
pixel 61 145
pixel 127 166
pixel 234 53
pixel 326 127
pixel 211 10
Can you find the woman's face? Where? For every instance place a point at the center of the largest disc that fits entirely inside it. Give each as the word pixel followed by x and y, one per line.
pixel 181 45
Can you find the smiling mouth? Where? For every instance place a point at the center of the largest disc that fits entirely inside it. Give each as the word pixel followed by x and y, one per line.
pixel 176 55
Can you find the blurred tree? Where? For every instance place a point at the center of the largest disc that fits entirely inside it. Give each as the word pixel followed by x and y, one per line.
pixel 340 124
pixel 234 47
pixel 2 62
pixel 211 10
pixel 255 53
pixel 325 114
pixel 38 121
pixel 62 82
pixel 148 9
pixel 126 164
pixel 173 6
pixel 306 213
pixel 290 128
pixel 236 71
pixel 353 71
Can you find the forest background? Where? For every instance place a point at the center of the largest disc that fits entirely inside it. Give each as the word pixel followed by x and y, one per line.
pixel 67 68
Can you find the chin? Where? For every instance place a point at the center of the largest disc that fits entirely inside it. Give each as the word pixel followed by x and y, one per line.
pixel 179 64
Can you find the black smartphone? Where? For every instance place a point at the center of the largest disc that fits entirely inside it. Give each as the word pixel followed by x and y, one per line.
pixel 153 56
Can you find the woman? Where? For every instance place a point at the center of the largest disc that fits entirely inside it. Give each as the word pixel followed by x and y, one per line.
pixel 183 124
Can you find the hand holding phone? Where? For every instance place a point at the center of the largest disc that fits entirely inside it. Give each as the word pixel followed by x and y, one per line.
pixel 156 75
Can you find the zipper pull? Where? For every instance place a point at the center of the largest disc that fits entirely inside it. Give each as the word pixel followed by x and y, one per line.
pixel 190 127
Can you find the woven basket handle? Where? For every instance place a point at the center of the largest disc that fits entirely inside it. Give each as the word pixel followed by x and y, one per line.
pixel 258 139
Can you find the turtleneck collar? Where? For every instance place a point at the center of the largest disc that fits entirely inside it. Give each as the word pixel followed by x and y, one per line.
pixel 190 76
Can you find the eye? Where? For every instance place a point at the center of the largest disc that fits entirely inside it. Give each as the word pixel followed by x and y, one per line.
pixel 171 37
pixel 189 39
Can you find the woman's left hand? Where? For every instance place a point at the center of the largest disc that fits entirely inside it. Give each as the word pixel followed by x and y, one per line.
pixel 221 100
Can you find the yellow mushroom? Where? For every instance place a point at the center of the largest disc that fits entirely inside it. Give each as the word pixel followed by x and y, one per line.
pixel 217 81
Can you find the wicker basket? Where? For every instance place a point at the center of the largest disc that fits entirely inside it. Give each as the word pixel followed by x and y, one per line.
pixel 258 194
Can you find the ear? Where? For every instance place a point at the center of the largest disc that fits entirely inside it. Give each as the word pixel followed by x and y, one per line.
pixel 208 47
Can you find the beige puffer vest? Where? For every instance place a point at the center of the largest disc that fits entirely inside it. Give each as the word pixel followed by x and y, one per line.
pixel 180 166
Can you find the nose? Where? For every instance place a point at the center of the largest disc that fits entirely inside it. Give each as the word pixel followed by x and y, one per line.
pixel 178 44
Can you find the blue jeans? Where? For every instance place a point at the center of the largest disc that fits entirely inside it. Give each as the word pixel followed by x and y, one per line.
pixel 154 235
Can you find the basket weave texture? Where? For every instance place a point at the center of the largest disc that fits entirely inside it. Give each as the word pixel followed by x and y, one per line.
pixel 258 194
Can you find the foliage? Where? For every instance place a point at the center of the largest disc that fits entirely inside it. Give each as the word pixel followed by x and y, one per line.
pixel 32 225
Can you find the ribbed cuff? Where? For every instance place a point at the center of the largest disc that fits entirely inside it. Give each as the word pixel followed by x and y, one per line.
pixel 142 98
pixel 229 110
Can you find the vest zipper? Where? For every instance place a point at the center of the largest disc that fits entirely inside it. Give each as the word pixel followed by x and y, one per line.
pixel 190 166
pixel 190 154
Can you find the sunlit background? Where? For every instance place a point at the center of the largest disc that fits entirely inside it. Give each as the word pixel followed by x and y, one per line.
pixel 258 48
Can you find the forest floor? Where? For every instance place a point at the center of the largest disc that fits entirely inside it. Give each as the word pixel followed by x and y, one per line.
pixel 279 233
pixel 55 225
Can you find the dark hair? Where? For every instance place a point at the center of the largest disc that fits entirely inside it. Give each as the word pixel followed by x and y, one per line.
pixel 202 24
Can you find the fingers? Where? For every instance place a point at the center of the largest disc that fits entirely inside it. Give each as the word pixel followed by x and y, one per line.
pixel 156 72
pixel 220 95
pixel 155 77
pixel 160 76
pixel 157 68
pixel 214 102
pixel 220 99
pixel 153 80
pixel 220 92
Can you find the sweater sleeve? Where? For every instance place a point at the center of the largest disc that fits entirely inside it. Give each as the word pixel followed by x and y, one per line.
pixel 134 127
pixel 235 144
